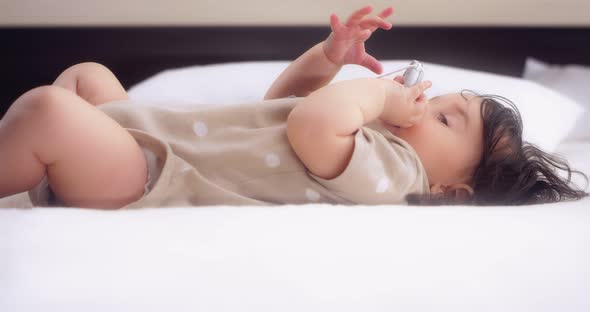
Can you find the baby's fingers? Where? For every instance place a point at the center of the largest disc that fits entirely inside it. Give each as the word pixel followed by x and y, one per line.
pixel 419 110
pixel 335 23
pixel 372 64
pixel 419 88
pixel 375 22
pixel 383 15
pixel 386 12
pixel 357 16
pixel 399 79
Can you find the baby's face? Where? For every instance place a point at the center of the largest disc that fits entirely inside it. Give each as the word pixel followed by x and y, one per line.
pixel 449 139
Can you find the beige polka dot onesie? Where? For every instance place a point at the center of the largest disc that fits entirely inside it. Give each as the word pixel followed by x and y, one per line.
pixel 240 155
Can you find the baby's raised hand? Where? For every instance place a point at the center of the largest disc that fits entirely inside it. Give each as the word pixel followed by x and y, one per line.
pixel 405 106
pixel 346 43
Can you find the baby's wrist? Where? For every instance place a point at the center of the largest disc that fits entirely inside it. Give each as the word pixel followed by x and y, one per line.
pixel 392 90
pixel 326 53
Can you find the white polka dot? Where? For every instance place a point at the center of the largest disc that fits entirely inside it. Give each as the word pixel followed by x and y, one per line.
pixel 185 169
pixel 312 195
pixel 272 160
pixel 383 185
pixel 200 128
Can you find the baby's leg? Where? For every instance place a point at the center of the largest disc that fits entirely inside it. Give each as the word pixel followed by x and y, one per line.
pixel 89 159
pixel 93 82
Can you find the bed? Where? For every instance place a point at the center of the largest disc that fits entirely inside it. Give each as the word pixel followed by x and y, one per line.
pixel 310 257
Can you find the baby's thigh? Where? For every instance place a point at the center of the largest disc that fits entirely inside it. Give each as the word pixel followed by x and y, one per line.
pixel 91 160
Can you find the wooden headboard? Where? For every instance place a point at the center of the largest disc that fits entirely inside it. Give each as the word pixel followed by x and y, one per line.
pixel 34 56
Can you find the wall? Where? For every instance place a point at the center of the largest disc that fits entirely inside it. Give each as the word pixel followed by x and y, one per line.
pixel 299 12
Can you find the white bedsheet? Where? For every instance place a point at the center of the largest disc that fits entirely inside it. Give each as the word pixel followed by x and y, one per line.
pixel 297 258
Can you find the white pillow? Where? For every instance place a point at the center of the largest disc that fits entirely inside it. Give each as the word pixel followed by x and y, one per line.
pixel 570 80
pixel 248 81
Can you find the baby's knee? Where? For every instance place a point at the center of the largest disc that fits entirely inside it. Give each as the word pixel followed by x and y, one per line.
pixel 86 68
pixel 40 102
pixel 71 77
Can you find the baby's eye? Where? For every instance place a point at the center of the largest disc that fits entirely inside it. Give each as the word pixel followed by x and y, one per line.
pixel 442 118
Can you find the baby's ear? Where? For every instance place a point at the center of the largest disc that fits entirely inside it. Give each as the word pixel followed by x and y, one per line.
pixel 460 192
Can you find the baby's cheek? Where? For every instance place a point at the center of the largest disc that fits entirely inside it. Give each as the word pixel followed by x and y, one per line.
pixel 423 134
pixel 419 136
pixel 431 144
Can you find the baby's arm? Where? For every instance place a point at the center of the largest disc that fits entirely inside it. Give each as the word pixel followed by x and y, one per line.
pixel 309 72
pixel 318 65
pixel 321 127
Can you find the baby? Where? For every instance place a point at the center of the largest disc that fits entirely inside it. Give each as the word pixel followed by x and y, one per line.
pixel 361 141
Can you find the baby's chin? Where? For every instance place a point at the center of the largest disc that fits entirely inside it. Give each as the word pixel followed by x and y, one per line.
pixel 392 128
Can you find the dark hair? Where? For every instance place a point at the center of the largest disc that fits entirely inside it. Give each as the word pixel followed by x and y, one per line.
pixel 511 171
